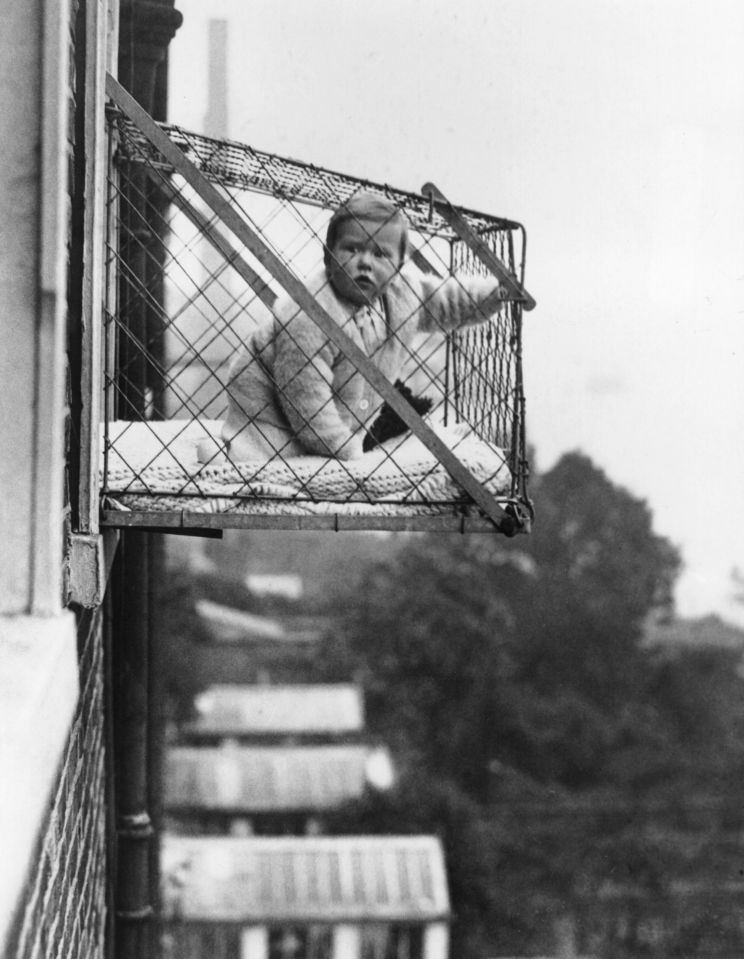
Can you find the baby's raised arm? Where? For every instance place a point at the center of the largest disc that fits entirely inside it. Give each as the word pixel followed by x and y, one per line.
pixel 458 301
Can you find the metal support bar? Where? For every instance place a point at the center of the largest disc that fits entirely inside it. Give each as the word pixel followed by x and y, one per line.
pixel 95 147
pixel 305 300
pixel 484 253
pixel 183 522
pixel 179 531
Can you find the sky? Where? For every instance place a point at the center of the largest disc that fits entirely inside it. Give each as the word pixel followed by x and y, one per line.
pixel 614 131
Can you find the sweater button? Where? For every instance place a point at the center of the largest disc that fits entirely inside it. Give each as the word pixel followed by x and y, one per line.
pixel 364 404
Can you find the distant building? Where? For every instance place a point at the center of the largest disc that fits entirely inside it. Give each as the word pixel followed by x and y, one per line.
pixel 284 585
pixel 350 897
pixel 704 631
pixel 277 714
pixel 248 648
pixel 266 790
pixel 227 624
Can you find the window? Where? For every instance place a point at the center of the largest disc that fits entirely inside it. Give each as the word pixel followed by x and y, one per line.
pixel 186 941
pixel 301 942
pixel 393 942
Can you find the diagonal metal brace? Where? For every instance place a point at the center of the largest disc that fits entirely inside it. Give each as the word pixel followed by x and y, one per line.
pixel 220 243
pixel 484 253
pixel 299 293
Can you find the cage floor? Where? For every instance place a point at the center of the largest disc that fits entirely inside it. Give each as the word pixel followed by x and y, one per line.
pixel 152 478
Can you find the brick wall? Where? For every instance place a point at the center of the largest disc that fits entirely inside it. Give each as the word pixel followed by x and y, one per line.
pixel 59 911
pixel 63 915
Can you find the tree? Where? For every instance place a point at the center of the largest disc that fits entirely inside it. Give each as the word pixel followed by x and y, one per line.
pixel 426 635
pixel 178 633
pixel 528 652
pixel 599 571
pixel 489 911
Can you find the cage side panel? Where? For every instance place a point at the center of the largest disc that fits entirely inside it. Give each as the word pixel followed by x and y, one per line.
pixel 190 300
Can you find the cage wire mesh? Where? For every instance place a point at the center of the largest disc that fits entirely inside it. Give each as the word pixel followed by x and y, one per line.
pixel 185 298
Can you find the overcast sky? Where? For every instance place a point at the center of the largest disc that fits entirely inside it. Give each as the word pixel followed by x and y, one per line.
pixel 614 130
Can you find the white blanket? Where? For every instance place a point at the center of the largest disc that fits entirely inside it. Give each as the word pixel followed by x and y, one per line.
pixel 153 466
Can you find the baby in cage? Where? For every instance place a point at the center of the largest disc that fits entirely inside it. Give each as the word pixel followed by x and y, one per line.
pixel 293 392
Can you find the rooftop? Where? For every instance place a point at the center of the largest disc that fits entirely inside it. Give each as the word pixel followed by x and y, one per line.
pixel 296 709
pixel 229 625
pixel 236 625
pixel 340 878
pixel 246 779
pixel 704 631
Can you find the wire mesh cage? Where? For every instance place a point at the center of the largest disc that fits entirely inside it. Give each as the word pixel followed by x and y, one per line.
pixel 226 404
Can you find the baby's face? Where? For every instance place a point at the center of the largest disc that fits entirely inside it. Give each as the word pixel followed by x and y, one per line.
pixel 364 258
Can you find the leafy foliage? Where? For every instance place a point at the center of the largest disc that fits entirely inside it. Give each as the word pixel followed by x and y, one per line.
pixel 477 848
pixel 599 571
pixel 516 674
pixel 472 649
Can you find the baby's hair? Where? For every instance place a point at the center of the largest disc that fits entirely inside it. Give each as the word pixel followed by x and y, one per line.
pixel 371 207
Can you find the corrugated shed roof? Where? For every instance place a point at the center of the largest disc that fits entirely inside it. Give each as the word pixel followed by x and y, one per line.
pixel 275 584
pixel 250 779
pixel 226 710
pixel 235 625
pixel 226 624
pixel 310 879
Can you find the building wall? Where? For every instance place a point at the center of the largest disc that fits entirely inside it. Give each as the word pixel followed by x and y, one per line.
pixel 19 198
pixel 52 753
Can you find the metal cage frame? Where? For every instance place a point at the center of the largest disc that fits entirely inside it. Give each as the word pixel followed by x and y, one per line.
pixel 155 157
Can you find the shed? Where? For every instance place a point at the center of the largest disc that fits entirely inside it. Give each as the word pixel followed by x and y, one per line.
pixel 227 624
pixel 348 895
pixel 274 789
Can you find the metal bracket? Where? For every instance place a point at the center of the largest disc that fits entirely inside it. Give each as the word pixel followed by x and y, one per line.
pixel 484 253
pixel 89 564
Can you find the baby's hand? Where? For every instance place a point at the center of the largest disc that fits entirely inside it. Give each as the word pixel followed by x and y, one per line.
pixel 352 448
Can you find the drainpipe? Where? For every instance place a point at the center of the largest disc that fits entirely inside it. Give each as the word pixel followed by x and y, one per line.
pixel 133 907
pixel 145 30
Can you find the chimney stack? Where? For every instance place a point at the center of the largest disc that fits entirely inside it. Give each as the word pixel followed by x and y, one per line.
pixel 216 121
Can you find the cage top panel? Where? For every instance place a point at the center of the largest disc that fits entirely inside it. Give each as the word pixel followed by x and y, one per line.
pixel 238 165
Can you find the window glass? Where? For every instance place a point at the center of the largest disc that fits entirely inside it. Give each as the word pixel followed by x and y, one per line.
pixel 392 942
pixel 300 942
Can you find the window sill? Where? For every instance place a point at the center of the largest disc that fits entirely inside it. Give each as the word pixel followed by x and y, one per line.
pixel 38 696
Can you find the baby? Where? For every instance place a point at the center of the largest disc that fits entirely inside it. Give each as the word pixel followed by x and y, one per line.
pixel 292 392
